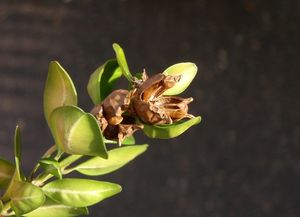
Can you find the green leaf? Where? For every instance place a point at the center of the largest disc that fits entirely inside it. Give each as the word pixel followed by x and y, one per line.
pixel 25 197
pixel 102 80
pixel 10 186
pixel 51 166
pixel 59 90
pixel 127 141
pixel 1 206
pixel 166 131
pixel 187 71
pixel 122 61
pixel 117 158
pixel 77 132
pixel 54 209
pixel 17 150
pixel 6 172
pixel 80 192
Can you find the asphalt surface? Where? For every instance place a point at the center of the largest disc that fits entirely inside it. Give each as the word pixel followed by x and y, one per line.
pixel 243 160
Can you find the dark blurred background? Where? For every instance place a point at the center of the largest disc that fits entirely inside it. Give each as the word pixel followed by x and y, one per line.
pixel 242 161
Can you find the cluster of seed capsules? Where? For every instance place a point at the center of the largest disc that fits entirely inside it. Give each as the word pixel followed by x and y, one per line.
pixel 123 112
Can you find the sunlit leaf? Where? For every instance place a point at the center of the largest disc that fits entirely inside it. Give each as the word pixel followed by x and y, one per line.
pixel 77 132
pixel 53 209
pixel 102 80
pixel 116 159
pixel 51 166
pixel 122 61
pixel 59 89
pixel 1 206
pixel 130 140
pixel 80 192
pixel 17 150
pixel 166 131
pixel 187 71
pixel 25 197
pixel 6 172
pixel 10 186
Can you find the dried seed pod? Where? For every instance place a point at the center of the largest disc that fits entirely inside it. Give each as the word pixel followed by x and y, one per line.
pixel 110 116
pixel 175 107
pixel 149 113
pixel 97 111
pixel 152 107
pixel 126 130
pixel 156 85
pixel 114 105
pixel 120 131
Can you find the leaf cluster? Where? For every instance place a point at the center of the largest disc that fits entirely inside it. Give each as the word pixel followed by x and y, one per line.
pixel 47 190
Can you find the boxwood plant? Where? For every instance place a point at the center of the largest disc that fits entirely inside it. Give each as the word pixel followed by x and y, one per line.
pixel 94 142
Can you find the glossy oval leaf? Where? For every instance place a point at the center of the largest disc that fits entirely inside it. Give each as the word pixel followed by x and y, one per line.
pixel 117 158
pixel 51 166
pixel 166 131
pixel 187 71
pixel 25 197
pixel 59 90
pixel 6 172
pixel 80 192
pixel 102 80
pixel 53 209
pixel 77 132
pixel 122 61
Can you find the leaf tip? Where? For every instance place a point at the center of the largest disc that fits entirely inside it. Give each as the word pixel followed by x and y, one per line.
pixel 116 46
pixel 198 119
pixel 118 189
pixel 104 155
pixel 144 148
pixel 54 62
pixel 17 129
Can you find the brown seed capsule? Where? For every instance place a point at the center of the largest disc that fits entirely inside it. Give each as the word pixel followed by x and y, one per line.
pixel 97 111
pixel 114 106
pixel 109 114
pixel 152 107
pixel 175 107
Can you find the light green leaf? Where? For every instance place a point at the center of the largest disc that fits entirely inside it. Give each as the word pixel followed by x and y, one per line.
pixel 1 206
pixel 6 172
pixel 130 140
pixel 10 186
pixel 117 158
pixel 17 150
pixel 59 90
pixel 51 166
pixel 187 71
pixel 122 61
pixel 166 131
pixel 25 197
pixel 77 132
pixel 80 192
pixel 54 209
pixel 102 80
